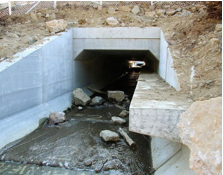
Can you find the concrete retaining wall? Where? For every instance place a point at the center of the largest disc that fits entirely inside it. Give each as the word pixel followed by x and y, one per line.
pixel 170 158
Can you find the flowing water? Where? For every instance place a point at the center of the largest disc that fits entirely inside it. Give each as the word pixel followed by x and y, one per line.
pixel 74 147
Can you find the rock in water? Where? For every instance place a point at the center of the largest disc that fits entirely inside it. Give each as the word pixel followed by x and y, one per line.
pixel 108 135
pixel 116 95
pixel 80 98
pixel 118 120
pixel 200 128
pixel 97 100
pixel 56 117
pixel 124 113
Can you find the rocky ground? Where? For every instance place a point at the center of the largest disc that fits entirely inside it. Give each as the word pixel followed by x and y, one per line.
pixel 195 41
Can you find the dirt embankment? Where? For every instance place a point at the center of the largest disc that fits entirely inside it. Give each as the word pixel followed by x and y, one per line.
pixel 195 41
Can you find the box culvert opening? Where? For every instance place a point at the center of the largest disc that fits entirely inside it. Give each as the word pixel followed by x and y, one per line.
pixel 99 65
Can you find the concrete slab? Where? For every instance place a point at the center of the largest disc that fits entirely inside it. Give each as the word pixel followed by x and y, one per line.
pixel 156 107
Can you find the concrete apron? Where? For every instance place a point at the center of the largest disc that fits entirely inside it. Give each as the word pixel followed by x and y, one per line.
pixel 41 79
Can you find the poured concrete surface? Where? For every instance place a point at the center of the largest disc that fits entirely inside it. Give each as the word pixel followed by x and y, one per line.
pixel 156 107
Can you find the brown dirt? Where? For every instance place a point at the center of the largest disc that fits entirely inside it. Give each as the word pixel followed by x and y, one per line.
pixel 188 37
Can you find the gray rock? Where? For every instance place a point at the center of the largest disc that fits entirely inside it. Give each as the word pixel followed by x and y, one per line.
pixel 29 40
pixel 114 164
pixel 135 10
pixel 80 98
pixel 179 10
pixel 116 95
pixel 170 12
pixel 57 117
pixel 185 13
pixel 108 135
pixel 97 100
pixel 112 21
pixel 111 11
pixel 88 163
pixel 124 113
pixel 80 108
pixel 118 120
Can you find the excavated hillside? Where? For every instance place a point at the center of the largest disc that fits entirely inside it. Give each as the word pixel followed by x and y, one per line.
pixel 195 39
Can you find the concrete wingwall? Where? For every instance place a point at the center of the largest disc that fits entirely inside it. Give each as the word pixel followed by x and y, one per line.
pixel 166 70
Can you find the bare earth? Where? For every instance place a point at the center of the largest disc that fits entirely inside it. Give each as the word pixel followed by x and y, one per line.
pixel 194 42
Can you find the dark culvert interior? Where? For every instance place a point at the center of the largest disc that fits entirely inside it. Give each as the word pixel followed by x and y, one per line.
pixel 75 144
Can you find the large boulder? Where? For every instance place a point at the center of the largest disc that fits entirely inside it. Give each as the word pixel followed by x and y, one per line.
pixel 56 117
pixel 56 25
pixel 80 97
pixel 108 135
pixel 116 95
pixel 200 128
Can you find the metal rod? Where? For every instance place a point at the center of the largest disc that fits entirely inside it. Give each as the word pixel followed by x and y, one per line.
pixel 54 4
pixel 10 8
pixel 33 7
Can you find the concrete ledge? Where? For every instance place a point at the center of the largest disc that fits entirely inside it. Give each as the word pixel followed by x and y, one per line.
pixel 155 108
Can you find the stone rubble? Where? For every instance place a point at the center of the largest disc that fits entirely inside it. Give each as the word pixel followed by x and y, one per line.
pixel 112 21
pixel 201 131
pixel 56 117
pixel 118 96
pixel 80 97
pixel 135 10
pixel 111 11
pixel 56 25
pixel 97 100
pixel 125 8
pixel 124 113
pixel 118 120
pixel 108 135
